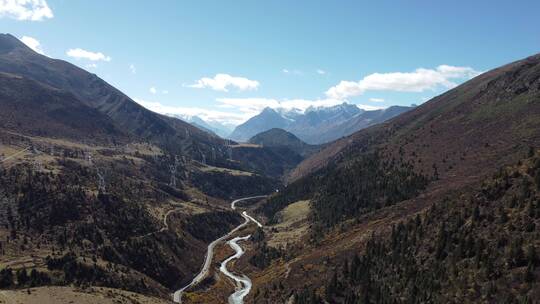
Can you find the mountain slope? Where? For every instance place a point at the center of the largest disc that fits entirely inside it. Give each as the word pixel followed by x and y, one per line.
pixel 95 190
pixel 16 58
pixel 281 138
pixel 32 108
pixel 481 123
pixel 443 152
pixel 364 120
pixel 274 162
pixel 316 128
pixel 473 246
pixel 172 135
pixel 453 140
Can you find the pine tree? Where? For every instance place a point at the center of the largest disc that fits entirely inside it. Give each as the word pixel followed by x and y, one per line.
pixel 529 276
pixel 22 277
pixel 6 278
pixel 531 255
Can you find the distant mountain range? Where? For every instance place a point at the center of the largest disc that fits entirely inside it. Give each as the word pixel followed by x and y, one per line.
pixel 221 129
pixel 315 125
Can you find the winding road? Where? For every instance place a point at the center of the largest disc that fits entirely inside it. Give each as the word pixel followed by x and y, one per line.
pixel 177 296
pixel 233 204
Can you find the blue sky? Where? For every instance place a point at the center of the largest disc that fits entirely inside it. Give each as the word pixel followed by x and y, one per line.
pixel 166 54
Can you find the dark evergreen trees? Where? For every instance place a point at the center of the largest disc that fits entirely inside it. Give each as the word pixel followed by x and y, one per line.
pixel 479 247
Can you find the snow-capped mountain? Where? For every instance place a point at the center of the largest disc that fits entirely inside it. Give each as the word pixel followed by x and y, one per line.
pixel 315 125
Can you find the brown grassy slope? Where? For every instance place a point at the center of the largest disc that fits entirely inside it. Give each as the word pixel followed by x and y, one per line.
pixel 473 127
pixel 36 109
pixel 17 59
pixel 466 133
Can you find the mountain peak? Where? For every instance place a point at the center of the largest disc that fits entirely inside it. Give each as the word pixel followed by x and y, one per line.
pixel 9 42
pixel 339 107
pixel 277 137
pixel 273 133
pixel 268 110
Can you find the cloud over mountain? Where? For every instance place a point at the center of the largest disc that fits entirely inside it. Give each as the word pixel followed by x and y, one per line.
pixel 223 82
pixel 418 81
pixel 33 43
pixel 79 53
pixel 206 114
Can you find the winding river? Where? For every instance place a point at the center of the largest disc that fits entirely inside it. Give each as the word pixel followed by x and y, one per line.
pixel 177 296
pixel 243 282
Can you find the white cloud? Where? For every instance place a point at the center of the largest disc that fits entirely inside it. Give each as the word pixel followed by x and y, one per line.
pixel 133 69
pixel 370 107
pixel 321 72
pixel 33 10
pixel 294 72
pixel 457 72
pixel 376 99
pixel 248 106
pixel 154 91
pixel 222 82
pixel 208 115
pixel 33 43
pixel 92 66
pixel 84 54
pixel 418 81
